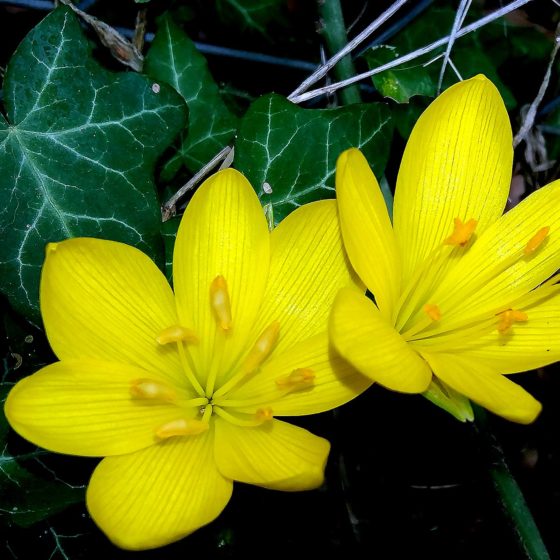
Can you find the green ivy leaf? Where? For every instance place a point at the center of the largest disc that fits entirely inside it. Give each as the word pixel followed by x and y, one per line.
pixel 174 59
pixel 289 154
pixel 77 154
pixel 253 15
pixel 400 83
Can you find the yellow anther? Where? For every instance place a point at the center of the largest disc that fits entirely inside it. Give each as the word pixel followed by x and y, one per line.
pixel 509 317
pixel 262 348
pixel 432 311
pixel 176 333
pixel 219 300
pixel 264 414
pixel 536 241
pixel 462 232
pixel 151 390
pixel 298 379
pixel 181 427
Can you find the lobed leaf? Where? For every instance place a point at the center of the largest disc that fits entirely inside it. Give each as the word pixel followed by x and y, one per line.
pixel 77 154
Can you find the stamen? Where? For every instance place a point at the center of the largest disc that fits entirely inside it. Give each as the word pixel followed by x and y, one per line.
pixel 509 317
pixel 536 241
pixel 262 348
pixel 152 390
pixel 261 416
pixel 176 333
pixel 298 379
pixel 258 354
pixel 432 311
pixel 219 300
pixel 181 427
pixel 462 232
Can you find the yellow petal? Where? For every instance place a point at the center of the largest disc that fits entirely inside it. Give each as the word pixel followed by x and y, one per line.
pixel 367 230
pixel 106 301
pixel 308 265
pixel 528 345
pixel 335 381
pixel 485 386
pixel 478 284
pixel 83 407
pixel 363 337
pixel 223 233
pixel 158 495
pixel 275 455
pixel 457 164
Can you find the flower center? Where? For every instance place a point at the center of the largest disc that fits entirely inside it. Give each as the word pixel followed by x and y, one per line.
pixel 194 414
pixel 418 316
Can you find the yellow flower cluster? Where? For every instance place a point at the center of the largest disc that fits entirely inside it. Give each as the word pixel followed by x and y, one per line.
pixel 181 390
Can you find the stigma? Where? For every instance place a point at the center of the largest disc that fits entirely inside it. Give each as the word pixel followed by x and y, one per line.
pixel 462 232
pixel 220 302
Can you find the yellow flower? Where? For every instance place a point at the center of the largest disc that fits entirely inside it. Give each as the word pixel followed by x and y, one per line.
pixel 179 391
pixel 461 296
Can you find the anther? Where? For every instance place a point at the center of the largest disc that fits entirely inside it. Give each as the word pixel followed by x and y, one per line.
pixel 536 241
pixel 264 414
pixel 297 379
pixel 262 348
pixel 462 232
pixel 151 390
pixel 219 300
pixel 509 317
pixel 181 427
pixel 176 333
pixel 432 311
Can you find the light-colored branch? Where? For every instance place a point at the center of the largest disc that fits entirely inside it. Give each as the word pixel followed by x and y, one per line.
pixel 411 56
pixel 324 69
pixel 529 120
pixel 168 210
pixel 457 23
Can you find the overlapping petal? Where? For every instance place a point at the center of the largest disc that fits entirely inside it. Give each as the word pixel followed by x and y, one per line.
pixel 276 455
pixel 485 386
pixel 158 495
pixel 364 337
pixel 529 345
pixel 367 230
pixel 482 281
pixel 335 381
pixel 223 233
pixel 308 265
pixel 106 301
pixel 457 164
pixel 84 407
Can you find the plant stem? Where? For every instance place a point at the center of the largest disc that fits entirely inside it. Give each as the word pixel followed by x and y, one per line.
pixel 511 497
pixel 334 31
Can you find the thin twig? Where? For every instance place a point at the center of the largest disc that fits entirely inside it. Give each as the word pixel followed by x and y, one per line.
pixel 410 56
pixel 325 68
pixel 168 209
pixel 457 23
pixel 529 120
pixel 140 29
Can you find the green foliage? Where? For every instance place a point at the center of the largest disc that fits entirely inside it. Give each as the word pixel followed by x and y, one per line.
pixel 174 59
pixel 77 154
pixel 253 15
pixel 295 150
pixel 400 83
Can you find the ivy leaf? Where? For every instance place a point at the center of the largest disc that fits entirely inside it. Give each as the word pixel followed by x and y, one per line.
pixel 253 15
pixel 400 83
pixel 77 154
pixel 289 154
pixel 174 59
